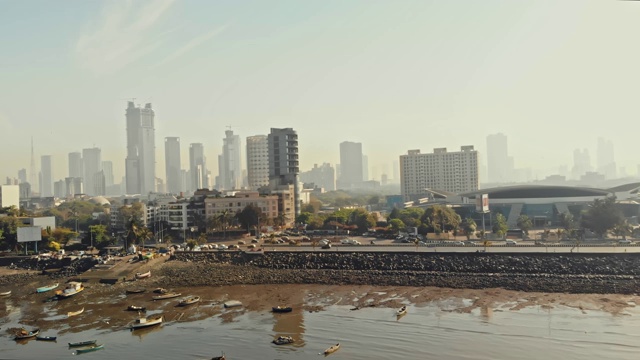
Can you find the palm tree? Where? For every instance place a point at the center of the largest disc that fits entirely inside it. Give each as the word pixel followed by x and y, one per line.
pixel 224 218
pixel 144 234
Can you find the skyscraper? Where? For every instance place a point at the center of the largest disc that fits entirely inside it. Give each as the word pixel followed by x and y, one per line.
pixel 257 161
pixel 75 164
pixel 229 166
pixel 498 159
pixel 173 164
pixel 283 161
pixel 22 175
pixel 323 176
pixel 107 169
pixel 46 180
pixel 605 158
pixel 141 159
pixel 581 163
pixel 197 167
pixel 92 165
pixel 351 165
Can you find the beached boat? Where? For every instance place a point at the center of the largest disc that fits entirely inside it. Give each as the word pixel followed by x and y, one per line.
pixel 221 357
pixel 47 288
pixel 332 349
pixel 402 311
pixel 283 340
pixel 71 289
pixel 74 313
pixel 143 275
pixel 282 309
pixel 91 348
pixel 46 338
pixel 146 322
pixel 136 308
pixel 135 291
pixel 24 334
pixel 232 303
pixel 167 296
pixel 189 301
pixel 160 291
pixel 6 293
pixel 83 343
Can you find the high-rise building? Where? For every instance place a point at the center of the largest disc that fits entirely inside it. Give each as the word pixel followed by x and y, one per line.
pixel 323 176
pixel 581 163
pixel 75 164
pixel 141 149
pixel 46 179
pixel 455 172
pixel 498 163
pixel 605 158
pixel 229 165
pixel 59 189
pixel 107 169
pixel 365 168
pixel 197 167
pixel 257 161
pixel 283 161
pixel 73 186
pixel 91 165
pixel 351 165
pixel 22 175
pixel 173 164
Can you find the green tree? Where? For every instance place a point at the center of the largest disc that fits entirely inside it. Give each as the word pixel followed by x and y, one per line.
pixel 524 223
pixel 249 216
pixel 601 216
pixel 192 244
pixel 9 226
pixel 566 221
pixel 62 235
pixel 622 229
pixel 439 219
pixel 362 219
pixel 394 214
pixel 304 218
pixel 499 225
pixel 469 227
pixel 396 225
pixel 202 239
pixel 99 235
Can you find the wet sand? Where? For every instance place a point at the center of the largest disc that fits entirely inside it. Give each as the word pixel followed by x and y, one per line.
pixel 105 305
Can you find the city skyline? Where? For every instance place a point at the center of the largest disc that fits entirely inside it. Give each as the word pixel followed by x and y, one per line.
pixel 381 74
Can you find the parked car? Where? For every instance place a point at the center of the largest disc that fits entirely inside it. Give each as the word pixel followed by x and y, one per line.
pixel 252 246
pixel 326 246
pixel 510 242
pixel 625 242
pixel 222 247
pixel 254 241
pixel 232 246
pixel 241 242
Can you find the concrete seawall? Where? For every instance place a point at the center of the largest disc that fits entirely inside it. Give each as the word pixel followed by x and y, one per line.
pixel 574 273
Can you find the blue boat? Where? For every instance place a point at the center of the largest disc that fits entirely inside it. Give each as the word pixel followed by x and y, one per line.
pixel 47 288
pixel 94 347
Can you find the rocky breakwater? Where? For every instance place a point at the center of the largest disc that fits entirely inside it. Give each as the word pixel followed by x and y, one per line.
pixel 574 273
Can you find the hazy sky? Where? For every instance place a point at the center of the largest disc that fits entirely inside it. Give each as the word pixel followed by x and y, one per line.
pixel 395 75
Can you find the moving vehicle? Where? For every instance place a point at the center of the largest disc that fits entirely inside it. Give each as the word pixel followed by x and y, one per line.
pixel 625 242
pixel 510 242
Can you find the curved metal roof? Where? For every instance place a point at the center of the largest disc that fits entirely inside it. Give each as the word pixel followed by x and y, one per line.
pixel 537 191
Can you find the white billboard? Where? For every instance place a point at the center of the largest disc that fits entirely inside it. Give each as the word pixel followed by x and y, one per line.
pixel 29 233
pixel 482 203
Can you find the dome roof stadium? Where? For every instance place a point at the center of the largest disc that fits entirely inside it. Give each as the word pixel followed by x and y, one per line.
pixel 100 200
pixel 538 191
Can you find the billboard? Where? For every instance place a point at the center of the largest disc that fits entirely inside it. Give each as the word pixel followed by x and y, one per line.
pixel 29 233
pixel 482 203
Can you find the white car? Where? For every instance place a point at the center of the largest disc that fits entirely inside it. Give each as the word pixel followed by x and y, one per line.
pixel 222 247
pixel 510 242
pixel 624 242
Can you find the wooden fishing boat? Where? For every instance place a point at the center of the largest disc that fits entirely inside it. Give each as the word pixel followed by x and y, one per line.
pixel 83 343
pixel 402 311
pixel 74 313
pixel 6 293
pixel 136 308
pixel 283 340
pixel 332 349
pixel 160 291
pixel 281 309
pixel 91 348
pixel 167 296
pixel 71 289
pixel 24 334
pixel 47 288
pixel 143 275
pixel 189 301
pixel 146 322
pixel 46 338
pixel 135 291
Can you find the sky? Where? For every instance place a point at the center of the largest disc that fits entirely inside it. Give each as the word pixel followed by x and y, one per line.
pixel 394 75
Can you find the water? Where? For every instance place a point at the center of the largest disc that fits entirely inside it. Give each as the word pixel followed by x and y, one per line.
pixel 428 331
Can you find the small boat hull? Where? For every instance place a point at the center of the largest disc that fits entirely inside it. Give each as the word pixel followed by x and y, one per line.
pixel 6 293
pixel 46 338
pixel 27 335
pixel 281 309
pixel 136 308
pixel 332 349
pixel 189 301
pixel 47 288
pixel 283 340
pixel 140 276
pixel 83 343
pixel 144 322
pixel 74 313
pixel 135 291
pixel 166 296
pixel 89 349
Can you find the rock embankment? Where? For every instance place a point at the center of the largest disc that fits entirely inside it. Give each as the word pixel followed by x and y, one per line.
pixel 575 273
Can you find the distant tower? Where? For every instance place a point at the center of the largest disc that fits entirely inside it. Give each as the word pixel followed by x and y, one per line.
pixel 32 169
pixel 351 165
pixel 283 161
pixel 141 161
pixel 229 166
pixel 257 161
pixel 197 167
pixel 498 163
pixel 173 164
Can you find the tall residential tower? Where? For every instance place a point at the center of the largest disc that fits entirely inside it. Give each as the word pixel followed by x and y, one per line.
pixel 141 158
pixel 173 164
pixel 283 161
pixel 257 161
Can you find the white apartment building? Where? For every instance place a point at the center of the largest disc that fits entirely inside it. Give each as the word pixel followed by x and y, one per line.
pixel 257 161
pixel 454 172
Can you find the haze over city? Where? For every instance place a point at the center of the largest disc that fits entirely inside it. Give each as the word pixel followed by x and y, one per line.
pixel 394 76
